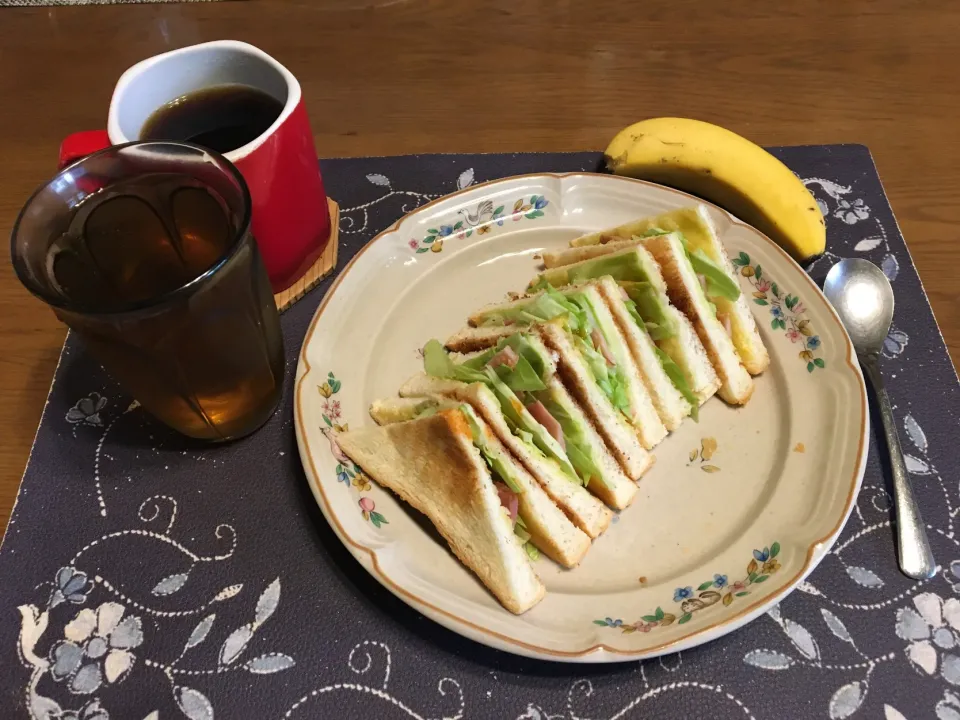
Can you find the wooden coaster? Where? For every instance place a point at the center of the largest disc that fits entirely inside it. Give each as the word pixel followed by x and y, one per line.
pixel 320 269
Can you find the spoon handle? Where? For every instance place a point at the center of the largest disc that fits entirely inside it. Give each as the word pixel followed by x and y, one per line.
pixel 916 558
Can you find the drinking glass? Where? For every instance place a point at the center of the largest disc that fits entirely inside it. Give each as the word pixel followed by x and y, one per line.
pixel 145 251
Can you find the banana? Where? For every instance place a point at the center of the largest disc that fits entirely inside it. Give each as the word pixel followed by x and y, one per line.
pixel 720 166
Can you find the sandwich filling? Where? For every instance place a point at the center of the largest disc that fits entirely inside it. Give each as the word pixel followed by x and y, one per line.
pixel 515 371
pixel 646 304
pixel 718 288
pixel 501 470
pixel 575 310
pixel 716 283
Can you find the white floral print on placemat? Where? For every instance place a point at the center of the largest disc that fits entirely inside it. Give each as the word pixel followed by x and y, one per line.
pixel 101 645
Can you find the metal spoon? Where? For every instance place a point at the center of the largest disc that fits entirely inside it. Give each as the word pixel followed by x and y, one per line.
pixel 863 298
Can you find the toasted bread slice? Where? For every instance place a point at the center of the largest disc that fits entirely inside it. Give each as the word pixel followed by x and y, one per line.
pixel 433 465
pixel 581 253
pixel 685 292
pixel 586 511
pixel 612 485
pixel 550 530
pixel 698 228
pixel 620 436
pixel 472 339
pixel 684 346
pixel 700 232
pixel 670 404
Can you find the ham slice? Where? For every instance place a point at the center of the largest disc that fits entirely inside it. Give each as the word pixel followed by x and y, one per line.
pixel 509 500
pixel 623 292
pixel 600 344
pixel 508 356
pixel 549 422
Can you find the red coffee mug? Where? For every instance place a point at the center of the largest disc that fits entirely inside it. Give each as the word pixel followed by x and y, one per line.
pixel 291 221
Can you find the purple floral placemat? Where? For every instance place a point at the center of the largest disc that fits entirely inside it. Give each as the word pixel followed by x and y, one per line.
pixel 144 576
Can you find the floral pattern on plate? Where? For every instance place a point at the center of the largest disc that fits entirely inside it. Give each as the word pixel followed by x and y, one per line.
pixel 348 472
pixel 719 589
pixel 787 311
pixel 481 220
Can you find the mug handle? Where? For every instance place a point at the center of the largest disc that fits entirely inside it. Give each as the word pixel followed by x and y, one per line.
pixel 80 144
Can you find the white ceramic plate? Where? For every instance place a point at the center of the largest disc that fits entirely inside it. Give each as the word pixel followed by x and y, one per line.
pixel 708 545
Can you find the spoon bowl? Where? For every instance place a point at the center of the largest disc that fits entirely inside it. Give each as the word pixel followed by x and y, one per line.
pixel 863 298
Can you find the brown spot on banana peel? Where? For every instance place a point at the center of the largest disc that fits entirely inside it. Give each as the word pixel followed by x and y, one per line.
pixel 615 162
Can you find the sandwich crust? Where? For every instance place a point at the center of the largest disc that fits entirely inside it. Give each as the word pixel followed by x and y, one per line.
pixel 432 464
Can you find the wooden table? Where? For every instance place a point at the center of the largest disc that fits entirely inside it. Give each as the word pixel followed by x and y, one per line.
pixel 430 75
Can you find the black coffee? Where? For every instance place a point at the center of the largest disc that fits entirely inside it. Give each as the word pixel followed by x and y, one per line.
pixel 222 117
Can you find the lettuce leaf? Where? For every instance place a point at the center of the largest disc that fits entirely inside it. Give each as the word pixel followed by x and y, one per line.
pixel 609 379
pixel 578 449
pixel 495 461
pixel 612 265
pixel 586 468
pixel 679 381
pixel 437 363
pixel 523 535
pixel 543 307
pixel 632 310
pixel 526 437
pixel 656 331
pixel 651 306
pixel 614 388
pixel 596 363
pixel 589 319
pixel 521 377
pixel 521 419
pixel 549 305
pixel 521 344
pixel 531 550
pixel 520 530
pixel 574 314
pixel 719 283
pixel 478 362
